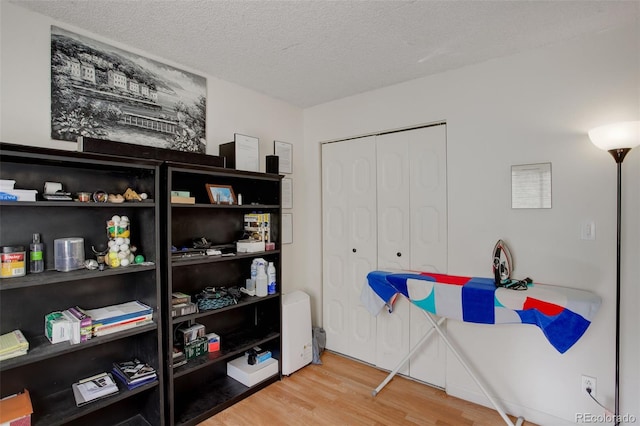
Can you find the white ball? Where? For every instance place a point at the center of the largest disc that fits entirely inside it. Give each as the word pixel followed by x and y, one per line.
pixel 115 219
pixel 124 262
pixel 114 247
pixel 127 241
pixel 143 195
pixel 119 241
pixel 111 243
pixel 124 219
pixel 122 255
pixel 131 257
pixel 124 247
pixel 133 249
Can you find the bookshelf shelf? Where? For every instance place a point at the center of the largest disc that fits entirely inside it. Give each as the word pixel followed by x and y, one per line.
pixel 48 370
pixel 201 387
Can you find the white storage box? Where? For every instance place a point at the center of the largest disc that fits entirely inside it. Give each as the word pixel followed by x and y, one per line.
pixel 250 375
pixel 249 246
pixel 23 194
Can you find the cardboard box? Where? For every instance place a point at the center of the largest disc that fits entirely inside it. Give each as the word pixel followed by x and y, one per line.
pixel 16 410
pixel 80 325
pixel 214 342
pixel 259 225
pixel 249 375
pixel 57 327
pixel 196 348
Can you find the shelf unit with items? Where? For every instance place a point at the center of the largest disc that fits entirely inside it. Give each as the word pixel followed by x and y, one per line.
pixel 201 387
pixel 48 370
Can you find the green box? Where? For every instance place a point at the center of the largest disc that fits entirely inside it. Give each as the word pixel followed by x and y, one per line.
pixel 196 348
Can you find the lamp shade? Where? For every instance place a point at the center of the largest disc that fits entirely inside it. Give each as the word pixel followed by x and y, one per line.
pixel 616 136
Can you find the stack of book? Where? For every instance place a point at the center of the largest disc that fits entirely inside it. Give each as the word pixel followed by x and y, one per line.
pixel 181 304
pixel 112 319
pixel 179 358
pixel 134 373
pixel 13 344
pixel 93 388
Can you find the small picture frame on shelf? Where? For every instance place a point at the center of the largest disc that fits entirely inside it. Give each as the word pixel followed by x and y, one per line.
pixel 221 194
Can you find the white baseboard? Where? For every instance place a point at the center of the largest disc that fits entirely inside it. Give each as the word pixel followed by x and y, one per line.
pixel 516 410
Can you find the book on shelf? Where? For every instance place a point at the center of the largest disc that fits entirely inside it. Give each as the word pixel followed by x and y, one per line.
pixel 13 344
pixel 93 388
pixel 182 200
pixel 103 330
pixel 118 313
pixel 134 373
pixel 177 298
pixel 178 357
pixel 111 319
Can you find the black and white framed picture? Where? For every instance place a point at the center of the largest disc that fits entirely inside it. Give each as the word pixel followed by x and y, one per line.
pixel 103 92
pixel 284 151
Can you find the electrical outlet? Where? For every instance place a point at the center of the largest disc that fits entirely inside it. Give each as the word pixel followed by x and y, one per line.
pixel 589 382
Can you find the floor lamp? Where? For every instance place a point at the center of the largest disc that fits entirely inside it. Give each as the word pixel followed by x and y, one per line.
pixel 617 139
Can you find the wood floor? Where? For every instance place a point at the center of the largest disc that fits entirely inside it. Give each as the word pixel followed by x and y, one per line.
pixel 338 392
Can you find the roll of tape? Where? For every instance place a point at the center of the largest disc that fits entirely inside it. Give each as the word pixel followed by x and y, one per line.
pixel 52 187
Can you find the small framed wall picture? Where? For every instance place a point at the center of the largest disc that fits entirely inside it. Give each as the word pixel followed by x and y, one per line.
pixel 287 193
pixel 221 194
pixel 287 228
pixel 284 151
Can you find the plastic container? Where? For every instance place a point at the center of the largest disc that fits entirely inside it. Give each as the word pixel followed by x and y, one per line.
pixel 12 261
pixel 68 253
pixel 261 281
pixel 36 255
pixel 271 279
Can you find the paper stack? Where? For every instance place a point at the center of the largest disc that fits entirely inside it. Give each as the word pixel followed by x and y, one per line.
pixel 95 387
pixel 13 344
pixel 134 373
pixel 112 319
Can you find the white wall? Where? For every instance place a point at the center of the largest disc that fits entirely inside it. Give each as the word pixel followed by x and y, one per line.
pixel 25 41
pixel 531 107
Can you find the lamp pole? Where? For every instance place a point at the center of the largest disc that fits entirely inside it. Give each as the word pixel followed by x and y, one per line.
pixel 617 139
pixel 618 156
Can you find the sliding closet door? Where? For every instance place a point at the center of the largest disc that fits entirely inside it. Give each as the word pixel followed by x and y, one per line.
pixel 428 195
pixel 394 234
pixel 349 245
pixel 412 235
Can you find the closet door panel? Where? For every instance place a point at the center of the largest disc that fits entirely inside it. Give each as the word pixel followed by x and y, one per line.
pixel 335 240
pixel 349 233
pixel 394 230
pixel 428 194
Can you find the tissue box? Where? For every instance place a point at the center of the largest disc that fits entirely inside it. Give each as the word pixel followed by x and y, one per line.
pixel 249 375
pixel 57 327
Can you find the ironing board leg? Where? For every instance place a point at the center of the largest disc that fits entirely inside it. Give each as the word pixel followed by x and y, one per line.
pixel 406 358
pixel 467 367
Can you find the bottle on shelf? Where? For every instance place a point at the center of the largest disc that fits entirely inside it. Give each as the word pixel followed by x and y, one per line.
pixel 261 281
pixel 36 255
pixel 271 279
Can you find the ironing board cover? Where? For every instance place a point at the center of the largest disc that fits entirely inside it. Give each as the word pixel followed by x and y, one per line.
pixel 563 314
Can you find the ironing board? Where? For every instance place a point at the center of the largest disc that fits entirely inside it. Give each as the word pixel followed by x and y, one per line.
pixel 563 314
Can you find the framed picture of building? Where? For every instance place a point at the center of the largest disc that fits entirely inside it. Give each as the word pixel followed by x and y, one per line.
pixel 104 92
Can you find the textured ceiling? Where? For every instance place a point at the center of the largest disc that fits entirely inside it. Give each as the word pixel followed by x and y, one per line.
pixel 310 52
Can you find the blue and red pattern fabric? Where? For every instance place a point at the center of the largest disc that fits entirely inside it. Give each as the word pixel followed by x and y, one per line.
pixel 563 314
